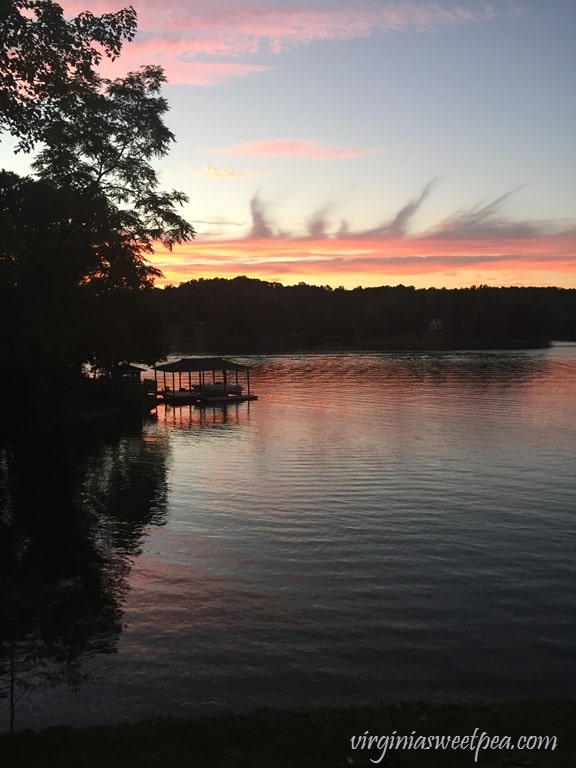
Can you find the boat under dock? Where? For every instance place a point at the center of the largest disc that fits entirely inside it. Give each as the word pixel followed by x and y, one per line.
pixel 203 381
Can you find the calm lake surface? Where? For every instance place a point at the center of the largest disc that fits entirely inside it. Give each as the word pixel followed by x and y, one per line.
pixel 375 526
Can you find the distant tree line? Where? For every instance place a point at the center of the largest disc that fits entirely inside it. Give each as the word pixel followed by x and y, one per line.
pixel 244 314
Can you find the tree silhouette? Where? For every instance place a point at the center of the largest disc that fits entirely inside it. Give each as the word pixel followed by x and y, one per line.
pixel 103 147
pixel 81 229
pixel 68 272
pixel 47 61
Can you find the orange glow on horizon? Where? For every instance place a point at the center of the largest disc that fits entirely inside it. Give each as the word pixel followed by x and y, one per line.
pixel 353 261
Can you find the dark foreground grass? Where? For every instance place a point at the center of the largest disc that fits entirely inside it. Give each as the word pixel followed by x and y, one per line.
pixel 305 739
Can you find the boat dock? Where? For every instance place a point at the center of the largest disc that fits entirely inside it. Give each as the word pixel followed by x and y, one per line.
pixel 203 381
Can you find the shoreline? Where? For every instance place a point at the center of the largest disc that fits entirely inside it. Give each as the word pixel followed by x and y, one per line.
pixel 313 738
pixel 337 346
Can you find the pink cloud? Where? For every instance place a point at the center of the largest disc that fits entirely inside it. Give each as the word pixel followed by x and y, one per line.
pixel 180 68
pixel 237 21
pixel 293 148
pixel 193 28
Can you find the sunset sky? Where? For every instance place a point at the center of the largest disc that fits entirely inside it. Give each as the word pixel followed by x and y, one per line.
pixel 366 142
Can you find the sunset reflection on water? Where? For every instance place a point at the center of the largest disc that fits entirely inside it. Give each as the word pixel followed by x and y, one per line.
pixel 374 526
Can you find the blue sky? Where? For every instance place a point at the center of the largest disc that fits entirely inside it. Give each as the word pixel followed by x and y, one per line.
pixel 367 143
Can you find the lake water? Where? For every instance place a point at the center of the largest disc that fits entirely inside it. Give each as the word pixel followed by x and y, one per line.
pixel 375 526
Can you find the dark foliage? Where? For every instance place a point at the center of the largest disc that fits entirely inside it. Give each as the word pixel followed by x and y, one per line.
pixel 102 147
pixel 74 240
pixel 252 315
pixel 68 272
pixel 46 61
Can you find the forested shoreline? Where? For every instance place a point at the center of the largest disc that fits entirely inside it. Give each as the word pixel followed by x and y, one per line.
pixel 249 315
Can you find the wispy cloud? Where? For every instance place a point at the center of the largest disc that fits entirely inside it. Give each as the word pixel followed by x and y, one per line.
pixel 180 69
pixel 210 171
pixel 260 226
pixel 293 148
pixel 187 32
pixel 318 223
pixel 481 241
pixel 398 226
pixel 485 220
pixel 483 223
pixel 220 222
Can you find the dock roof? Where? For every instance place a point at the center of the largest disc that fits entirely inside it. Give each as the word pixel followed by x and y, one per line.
pixel 189 364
